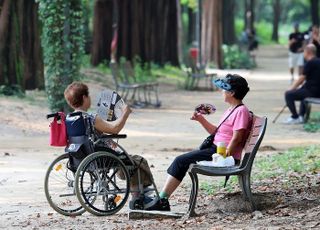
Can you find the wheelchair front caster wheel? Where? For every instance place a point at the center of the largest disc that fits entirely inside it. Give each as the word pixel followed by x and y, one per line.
pixel 136 204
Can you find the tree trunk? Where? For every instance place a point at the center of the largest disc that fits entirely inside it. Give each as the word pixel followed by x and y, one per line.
pixel 180 31
pixel 217 34
pixel 276 19
pixel 251 15
pixel 212 32
pixel 4 37
pixel 147 28
pixel 245 19
pixel 314 7
pixel 87 34
pixel 191 26
pixel 20 49
pixel 102 31
pixel 229 35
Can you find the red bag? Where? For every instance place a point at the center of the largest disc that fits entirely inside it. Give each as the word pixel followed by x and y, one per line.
pixel 58 131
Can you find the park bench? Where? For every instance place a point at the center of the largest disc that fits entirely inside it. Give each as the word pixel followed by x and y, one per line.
pixel 149 87
pixel 123 84
pixel 243 171
pixel 308 102
pixel 195 74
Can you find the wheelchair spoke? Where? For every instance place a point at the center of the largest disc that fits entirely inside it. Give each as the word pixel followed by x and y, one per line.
pixel 108 193
pixel 59 187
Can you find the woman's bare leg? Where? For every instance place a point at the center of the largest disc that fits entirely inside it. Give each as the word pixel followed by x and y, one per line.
pixel 171 185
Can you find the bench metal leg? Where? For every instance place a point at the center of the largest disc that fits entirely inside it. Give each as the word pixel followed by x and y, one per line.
pixel 158 103
pixel 197 83
pixel 191 87
pixel 241 184
pixel 186 86
pixel 134 94
pixel 146 95
pixel 125 94
pixel 193 194
pixel 308 111
pixel 247 188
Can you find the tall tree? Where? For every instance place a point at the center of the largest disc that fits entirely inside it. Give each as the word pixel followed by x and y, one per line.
pixel 314 7
pixel 229 35
pixel 102 31
pixel 63 39
pixel 276 18
pixel 20 50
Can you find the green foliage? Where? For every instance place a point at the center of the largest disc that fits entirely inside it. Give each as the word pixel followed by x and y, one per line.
pixel 313 124
pixel 11 90
pixel 239 25
pixel 142 70
pixel 291 11
pixel 169 74
pixel 234 58
pixel 193 4
pixel 264 32
pixel 85 61
pixel 62 42
pixel 296 160
pixel 299 160
pixel 212 188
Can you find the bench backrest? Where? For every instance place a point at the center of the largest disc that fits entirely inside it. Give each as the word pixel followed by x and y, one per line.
pixel 128 71
pixel 116 75
pixel 258 128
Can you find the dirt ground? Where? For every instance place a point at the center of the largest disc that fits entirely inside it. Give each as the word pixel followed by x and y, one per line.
pixel 159 135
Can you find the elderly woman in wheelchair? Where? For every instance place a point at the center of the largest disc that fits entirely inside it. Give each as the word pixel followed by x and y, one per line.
pixel 96 174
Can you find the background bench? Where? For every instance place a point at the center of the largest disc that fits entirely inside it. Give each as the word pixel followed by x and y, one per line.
pixel 308 102
pixel 243 171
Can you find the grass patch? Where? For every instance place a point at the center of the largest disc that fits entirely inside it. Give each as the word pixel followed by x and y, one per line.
pixel 313 124
pixel 169 74
pixel 295 161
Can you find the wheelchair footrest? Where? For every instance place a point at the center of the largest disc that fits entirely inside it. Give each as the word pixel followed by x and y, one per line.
pixel 142 214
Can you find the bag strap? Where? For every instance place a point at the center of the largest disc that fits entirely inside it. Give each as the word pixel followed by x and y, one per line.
pixel 227 117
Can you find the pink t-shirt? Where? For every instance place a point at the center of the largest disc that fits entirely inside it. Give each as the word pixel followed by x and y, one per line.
pixel 239 119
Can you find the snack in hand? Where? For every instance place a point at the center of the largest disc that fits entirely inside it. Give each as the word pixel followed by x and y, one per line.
pixel 205 109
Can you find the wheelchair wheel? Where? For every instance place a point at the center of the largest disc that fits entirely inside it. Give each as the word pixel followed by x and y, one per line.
pixel 98 178
pixel 59 188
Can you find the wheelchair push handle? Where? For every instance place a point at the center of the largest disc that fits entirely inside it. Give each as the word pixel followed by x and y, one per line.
pixel 114 136
pixel 57 115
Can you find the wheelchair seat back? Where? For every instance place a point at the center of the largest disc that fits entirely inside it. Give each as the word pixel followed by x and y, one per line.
pixel 79 133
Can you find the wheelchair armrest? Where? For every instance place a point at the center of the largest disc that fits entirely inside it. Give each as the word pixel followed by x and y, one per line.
pixel 114 136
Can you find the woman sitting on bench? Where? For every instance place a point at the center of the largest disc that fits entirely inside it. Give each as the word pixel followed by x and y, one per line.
pixel 233 129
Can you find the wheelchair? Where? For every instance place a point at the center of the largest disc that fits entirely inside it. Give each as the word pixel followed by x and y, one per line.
pixel 94 173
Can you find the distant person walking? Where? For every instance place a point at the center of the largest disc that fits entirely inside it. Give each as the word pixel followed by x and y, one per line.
pixel 295 51
pixel 307 85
